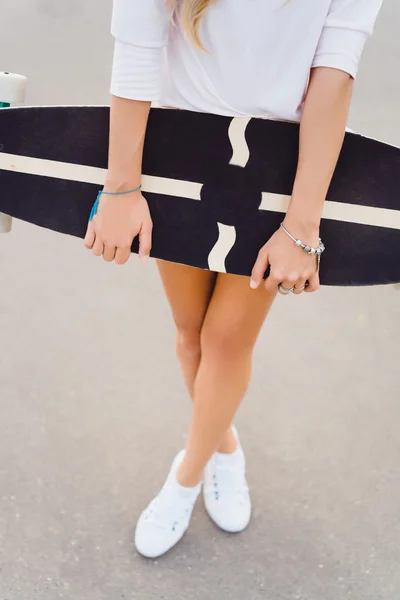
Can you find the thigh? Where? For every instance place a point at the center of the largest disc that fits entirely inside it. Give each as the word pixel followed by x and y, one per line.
pixel 188 291
pixel 236 313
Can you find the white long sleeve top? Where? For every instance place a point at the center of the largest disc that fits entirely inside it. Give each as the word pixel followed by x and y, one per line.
pixel 260 53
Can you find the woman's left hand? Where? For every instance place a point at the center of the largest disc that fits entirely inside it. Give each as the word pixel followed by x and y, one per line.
pixel 289 264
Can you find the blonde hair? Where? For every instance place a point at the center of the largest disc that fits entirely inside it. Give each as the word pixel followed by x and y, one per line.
pixel 191 13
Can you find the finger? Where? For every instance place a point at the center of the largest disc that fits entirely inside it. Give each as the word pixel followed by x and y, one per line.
pixel 260 266
pixel 282 291
pixel 98 246
pixel 313 283
pixel 273 280
pixel 300 286
pixel 288 283
pixel 90 236
pixel 122 255
pixel 145 242
pixel 109 253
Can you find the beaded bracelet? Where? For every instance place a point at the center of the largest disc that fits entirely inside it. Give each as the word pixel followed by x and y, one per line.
pixel 313 251
pixel 305 247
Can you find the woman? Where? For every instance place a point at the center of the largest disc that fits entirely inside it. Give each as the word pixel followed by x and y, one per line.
pixel 295 61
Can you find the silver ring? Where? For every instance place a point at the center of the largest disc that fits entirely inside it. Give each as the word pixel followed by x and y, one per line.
pixel 284 290
pixel 296 289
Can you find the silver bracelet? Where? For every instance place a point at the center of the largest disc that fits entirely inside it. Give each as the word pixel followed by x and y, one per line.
pixel 318 251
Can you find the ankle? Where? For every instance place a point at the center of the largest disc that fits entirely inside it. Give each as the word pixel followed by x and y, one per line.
pixel 228 443
pixel 187 478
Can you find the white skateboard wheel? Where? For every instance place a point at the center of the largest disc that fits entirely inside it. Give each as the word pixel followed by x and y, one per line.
pixel 12 87
pixel 5 223
pixel 12 90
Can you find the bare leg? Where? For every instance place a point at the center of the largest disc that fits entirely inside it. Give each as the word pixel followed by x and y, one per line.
pixel 189 291
pixel 231 326
pixel 228 326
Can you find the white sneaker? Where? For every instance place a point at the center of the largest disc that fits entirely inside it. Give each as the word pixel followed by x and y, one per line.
pixel 164 522
pixel 226 495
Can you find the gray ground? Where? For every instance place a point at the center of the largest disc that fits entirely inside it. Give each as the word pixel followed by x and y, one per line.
pixel 93 406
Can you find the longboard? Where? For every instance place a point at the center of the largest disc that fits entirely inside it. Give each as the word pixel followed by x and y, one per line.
pixel 217 187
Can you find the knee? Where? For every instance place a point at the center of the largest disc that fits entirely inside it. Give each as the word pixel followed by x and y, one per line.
pixel 188 341
pixel 225 343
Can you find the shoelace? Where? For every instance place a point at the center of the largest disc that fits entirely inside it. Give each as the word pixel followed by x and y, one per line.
pixel 165 509
pixel 231 479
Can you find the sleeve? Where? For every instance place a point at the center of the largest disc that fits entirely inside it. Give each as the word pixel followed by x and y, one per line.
pixel 347 27
pixel 140 29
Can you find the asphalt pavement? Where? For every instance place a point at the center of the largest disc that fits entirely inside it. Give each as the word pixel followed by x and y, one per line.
pixel 93 407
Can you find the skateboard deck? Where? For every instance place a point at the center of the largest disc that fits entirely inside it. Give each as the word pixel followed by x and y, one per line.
pixel 217 187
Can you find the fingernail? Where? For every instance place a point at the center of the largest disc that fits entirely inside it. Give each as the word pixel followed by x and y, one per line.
pixel 143 259
pixel 253 284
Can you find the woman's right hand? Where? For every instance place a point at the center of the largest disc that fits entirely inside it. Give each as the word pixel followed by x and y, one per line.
pixel 119 219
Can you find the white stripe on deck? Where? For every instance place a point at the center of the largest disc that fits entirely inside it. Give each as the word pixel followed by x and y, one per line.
pixel 85 174
pixel 339 211
pixel 237 138
pixel 224 244
pixel 336 211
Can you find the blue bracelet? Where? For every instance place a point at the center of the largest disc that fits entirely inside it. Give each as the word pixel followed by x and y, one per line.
pixel 120 193
pixel 96 204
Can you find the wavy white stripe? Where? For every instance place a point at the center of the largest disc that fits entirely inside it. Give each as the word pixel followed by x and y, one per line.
pixel 237 137
pixel 336 211
pixel 224 244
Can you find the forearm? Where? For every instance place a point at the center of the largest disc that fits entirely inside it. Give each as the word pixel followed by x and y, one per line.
pixel 128 122
pixel 322 130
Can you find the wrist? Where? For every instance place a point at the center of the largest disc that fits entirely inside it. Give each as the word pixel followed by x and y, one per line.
pixel 122 184
pixel 303 227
